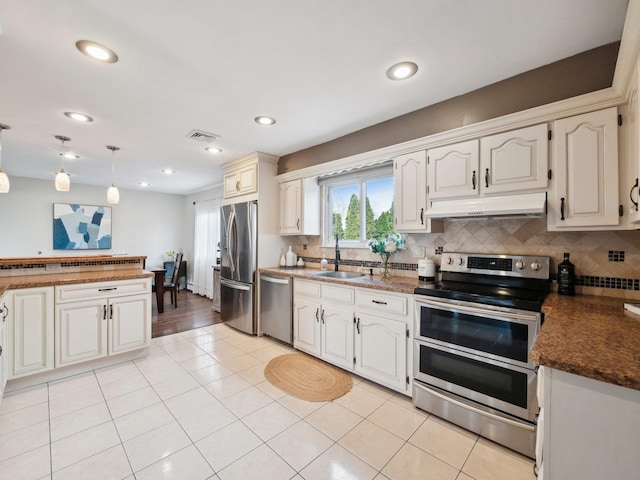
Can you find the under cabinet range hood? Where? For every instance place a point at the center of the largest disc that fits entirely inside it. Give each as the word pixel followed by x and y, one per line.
pixel 523 205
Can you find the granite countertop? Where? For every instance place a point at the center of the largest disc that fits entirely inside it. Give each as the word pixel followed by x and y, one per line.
pixel 590 336
pixel 28 281
pixel 68 259
pixel 376 282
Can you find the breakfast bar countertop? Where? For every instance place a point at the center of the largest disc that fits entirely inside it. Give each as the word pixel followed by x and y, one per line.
pixel 376 282
pixel 590 336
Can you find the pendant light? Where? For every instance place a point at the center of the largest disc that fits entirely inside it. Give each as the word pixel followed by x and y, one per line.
pixel 63 184
pixel 4 180
pixel 113 195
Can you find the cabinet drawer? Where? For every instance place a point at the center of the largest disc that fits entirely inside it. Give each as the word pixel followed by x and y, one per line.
pixel 381 302
pixel 341 294
pixel 87 291
pixel 308 289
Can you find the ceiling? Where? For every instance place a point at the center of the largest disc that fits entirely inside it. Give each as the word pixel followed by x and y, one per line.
pixel 317 66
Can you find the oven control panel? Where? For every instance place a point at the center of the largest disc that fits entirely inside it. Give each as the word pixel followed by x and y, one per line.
pixel 525 266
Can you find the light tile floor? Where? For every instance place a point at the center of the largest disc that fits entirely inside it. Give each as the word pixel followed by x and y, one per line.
pixel 198 407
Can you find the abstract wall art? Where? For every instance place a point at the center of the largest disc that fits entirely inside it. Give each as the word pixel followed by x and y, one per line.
pixel 81 227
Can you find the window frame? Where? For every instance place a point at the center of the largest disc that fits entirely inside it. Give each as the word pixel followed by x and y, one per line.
pixel 340 181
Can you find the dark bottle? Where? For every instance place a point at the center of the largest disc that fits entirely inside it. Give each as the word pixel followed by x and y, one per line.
pixel 566 277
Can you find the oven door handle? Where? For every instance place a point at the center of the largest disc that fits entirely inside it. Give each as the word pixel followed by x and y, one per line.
pixel 468 309
pixel 479 411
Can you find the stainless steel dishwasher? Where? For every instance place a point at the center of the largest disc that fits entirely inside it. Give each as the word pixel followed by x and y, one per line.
pixel 276 307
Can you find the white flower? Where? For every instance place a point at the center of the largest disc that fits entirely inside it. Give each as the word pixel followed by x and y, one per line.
pixel 390 246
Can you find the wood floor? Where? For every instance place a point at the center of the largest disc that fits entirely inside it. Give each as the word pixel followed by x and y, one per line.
pixel 194 311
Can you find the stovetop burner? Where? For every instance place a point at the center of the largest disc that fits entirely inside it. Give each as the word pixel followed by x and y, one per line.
pixel 519 282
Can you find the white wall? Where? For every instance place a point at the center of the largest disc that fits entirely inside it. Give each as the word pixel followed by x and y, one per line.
pixel 144 223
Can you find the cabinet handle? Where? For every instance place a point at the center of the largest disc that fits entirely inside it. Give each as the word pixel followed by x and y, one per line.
pixel 473 179
pixel 379 302
pixel 486 178
pixel 238 186
pixel 107 289
pixel 317 312
pixel 562 208
pixel 110 311
pixel 5 310
pixel 535 469
pixel 635 203
pixel 322 316
pixel 358 325
pixel 0 350
pixel 298 224
pixel 104 312
pixel 422 216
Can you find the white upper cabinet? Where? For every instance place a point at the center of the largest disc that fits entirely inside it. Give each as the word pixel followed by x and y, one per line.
pixel 514 161
pixel 410 194
pixel 630 190
pixel 452 170
pixel 586 172
pixel 504 163
pixel 241 181
pixel 300 207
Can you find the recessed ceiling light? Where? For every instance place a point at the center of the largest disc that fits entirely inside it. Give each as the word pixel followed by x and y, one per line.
pixel 97 51
pixel 168 171
pixel 402 71
pixel 79 117
pixel 69 155
pixel 144 184
pixel 213 150
pixel 264 120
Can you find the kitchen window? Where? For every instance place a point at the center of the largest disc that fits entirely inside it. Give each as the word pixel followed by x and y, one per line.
pixel 358 205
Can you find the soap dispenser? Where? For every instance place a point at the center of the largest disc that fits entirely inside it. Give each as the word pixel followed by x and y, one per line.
pixel 324 265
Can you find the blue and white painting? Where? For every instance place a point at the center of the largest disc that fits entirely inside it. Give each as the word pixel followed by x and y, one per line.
pixel 81 227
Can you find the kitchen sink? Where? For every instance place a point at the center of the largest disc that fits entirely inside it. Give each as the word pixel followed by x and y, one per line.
pixel 339 274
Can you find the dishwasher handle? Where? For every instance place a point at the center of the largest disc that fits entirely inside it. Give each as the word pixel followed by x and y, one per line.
pixel 281 281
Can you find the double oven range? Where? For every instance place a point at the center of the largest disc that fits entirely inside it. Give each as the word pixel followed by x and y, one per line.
pixel 473 333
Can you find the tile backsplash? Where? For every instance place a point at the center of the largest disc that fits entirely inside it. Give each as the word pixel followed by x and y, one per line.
pixel 608 259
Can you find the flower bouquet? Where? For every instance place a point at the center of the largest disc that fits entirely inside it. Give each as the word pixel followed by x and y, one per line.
pixel 384 247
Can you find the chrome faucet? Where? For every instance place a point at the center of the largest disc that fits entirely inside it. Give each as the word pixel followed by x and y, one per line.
pixel 337 260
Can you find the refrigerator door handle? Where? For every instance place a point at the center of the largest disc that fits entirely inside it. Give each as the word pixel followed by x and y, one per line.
pixel 232 244
pixel 234 285
pixel 281 281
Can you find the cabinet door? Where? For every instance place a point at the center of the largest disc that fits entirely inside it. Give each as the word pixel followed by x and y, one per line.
pixel 241 181
pixel 452 170
pixel 81 331
pixel 30 334
pixel 337 336
pixel 586 156
pixel 129 323
pixel 3 345
pixel 410 191
pixel 514 161
pixel 381 350
pixel 291 207
pixel 306 326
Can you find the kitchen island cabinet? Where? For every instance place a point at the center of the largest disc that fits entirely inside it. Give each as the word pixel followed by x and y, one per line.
pixel 29 331
pixel 95 320
pixel 589 351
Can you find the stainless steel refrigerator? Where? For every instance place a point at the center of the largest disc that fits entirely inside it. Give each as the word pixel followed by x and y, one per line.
pixel 238 261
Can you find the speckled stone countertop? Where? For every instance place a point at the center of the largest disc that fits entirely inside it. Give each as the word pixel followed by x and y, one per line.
pixel 590 336
pixel 28 281
pixel 392 284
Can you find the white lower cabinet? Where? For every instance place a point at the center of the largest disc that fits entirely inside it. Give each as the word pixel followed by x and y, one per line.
pixel 29 331
pixel 360 330
pixel 117 319
pixel 590 429
pixel 4 313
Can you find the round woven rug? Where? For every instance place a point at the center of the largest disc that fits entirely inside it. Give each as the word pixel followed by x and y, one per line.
pixel 307 378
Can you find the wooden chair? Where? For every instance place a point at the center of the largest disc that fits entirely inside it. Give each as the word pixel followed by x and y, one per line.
pixel 172 284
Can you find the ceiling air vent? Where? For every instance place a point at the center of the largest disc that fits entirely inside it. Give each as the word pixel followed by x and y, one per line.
pixel 202 136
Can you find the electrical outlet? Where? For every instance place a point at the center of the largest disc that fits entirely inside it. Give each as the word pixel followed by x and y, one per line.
pixel 304 246
pixel 419 252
